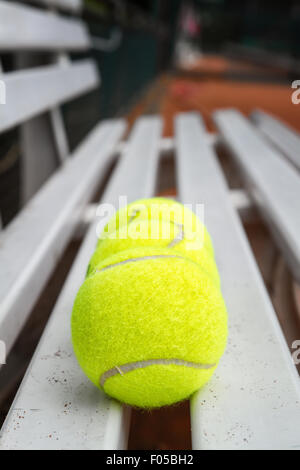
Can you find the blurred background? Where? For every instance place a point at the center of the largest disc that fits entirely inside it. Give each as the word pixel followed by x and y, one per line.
pixel 164 57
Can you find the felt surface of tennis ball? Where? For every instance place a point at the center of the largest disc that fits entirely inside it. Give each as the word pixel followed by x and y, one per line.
pixel 144 305
pixel 156 234
pixel 158 209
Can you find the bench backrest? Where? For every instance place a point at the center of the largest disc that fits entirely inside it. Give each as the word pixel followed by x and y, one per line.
pixel 31 90
pixel 29 93
pixel 72 6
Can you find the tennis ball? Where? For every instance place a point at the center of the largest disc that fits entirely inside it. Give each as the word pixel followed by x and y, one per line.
pixel 149 327
pixel 157 234
pixel 164 209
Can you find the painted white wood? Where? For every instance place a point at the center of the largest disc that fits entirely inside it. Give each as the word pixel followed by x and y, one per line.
pixel 39 156
pixel 286 139
pixel 60 135
pixel 32 92
pixel 32 244
pixel 273 182
pixel 43 140
pixel 167 144
pixel 240 200
pixel 253 400
pixel 73 6
pixel 26 28
pixel 244 205
pixel 55 398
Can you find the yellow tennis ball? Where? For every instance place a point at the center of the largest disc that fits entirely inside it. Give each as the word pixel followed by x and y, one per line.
pixel 156 233
pixel 149 327
pixel 164 209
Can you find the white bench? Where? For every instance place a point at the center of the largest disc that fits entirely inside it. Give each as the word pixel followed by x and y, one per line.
pixel 253 401
pixel 73 6
pixel 34 241
pixel 32 91
pixel 272 181
pixel 286 139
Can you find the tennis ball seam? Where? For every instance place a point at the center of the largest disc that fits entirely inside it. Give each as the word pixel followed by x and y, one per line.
pixel 145 258
pixel 132 366
pixel 151 333
pixel 142 258
pixel 179 237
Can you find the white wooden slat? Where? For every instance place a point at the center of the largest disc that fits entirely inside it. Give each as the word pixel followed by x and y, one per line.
pixel 243 204
pixel 32 92
pixel 253 400
pixel 31 245
pixel 73 6
pixel 286 139
pixel 26 28
pixel 39 155
pixel 60 134
pixel 55 398
pixel 273 182
pixel 167 145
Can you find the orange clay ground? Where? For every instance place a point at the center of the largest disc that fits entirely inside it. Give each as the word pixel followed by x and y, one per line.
pixel 172 94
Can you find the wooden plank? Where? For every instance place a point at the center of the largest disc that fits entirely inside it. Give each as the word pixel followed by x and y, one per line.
pixel 26 28
pixel 55 398
pixel 286 139
pixel 32 92
pixel 273 183
pixel 39 156
pixel 32 244
pixel 73 6
pixel 253 400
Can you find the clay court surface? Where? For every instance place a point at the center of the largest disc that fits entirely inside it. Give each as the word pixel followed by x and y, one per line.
pixel 206 87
